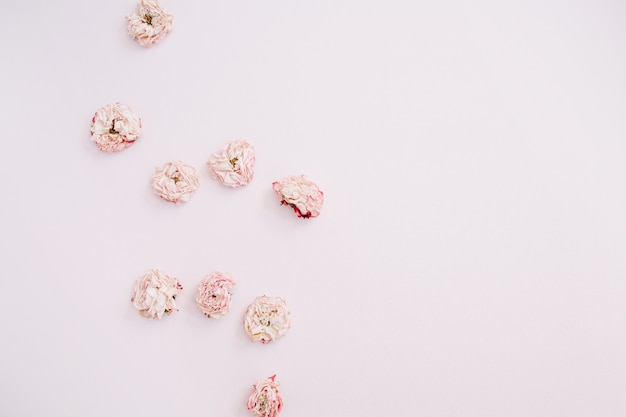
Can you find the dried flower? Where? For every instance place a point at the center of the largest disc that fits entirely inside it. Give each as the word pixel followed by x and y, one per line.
pixel 150 23
pixel 300 193
pixel 115 127
pixel 267 318
pixel 176 181
pixel 265 400
pixel 155 294
pixel 234 166
pixel 214 295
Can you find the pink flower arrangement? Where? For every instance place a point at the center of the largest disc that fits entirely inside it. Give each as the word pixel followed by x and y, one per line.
pixel 234 166
pixel 176 181
pixel 214 295
pixel 150 23
pixel 155 294
pixel 115 127
pixel 267 318
pixel 265 400
pixel 301 194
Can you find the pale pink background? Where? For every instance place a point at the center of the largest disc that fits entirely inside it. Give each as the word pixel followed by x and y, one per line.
pixel 470 257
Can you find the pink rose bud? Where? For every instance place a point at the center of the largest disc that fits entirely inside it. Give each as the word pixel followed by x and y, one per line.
pixel 155 294
pixel 115 127
pixel 301 194
pixel 265 400
pixel 214 295
pixel 234 166
pixel 176 181
pixel 150 23
pixel 267 319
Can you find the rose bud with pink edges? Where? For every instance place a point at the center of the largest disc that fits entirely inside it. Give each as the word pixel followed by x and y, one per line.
pixel 150 23
pixel 176 181
pixel 301 194
pixel 265 400
pixel 155 294
pixel 115 127
pixel 267 319
pixel 214 294
pixel 234 166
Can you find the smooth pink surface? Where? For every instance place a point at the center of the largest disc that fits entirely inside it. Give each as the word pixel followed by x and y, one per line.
pixel 469 257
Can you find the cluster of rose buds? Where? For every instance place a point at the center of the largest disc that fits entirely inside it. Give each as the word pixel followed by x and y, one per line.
pixel 116 127
pixel 266 319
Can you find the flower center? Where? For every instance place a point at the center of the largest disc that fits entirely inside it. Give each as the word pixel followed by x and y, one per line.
pixel 233 161
pixel 263 404
pixel 147 19
pixel 112 129
pixel 175 179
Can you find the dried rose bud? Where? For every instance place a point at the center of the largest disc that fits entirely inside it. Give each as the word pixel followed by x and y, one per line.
pixel 265 400
pixel 301 194
pixel 234 166
pixel 155 294
pixel 115 127
pixel 214 295
pixel 150 23
pixel 267 319
pixel 176 181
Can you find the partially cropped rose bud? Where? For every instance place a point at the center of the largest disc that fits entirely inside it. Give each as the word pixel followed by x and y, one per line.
pixel 150 23
pixel 265 400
